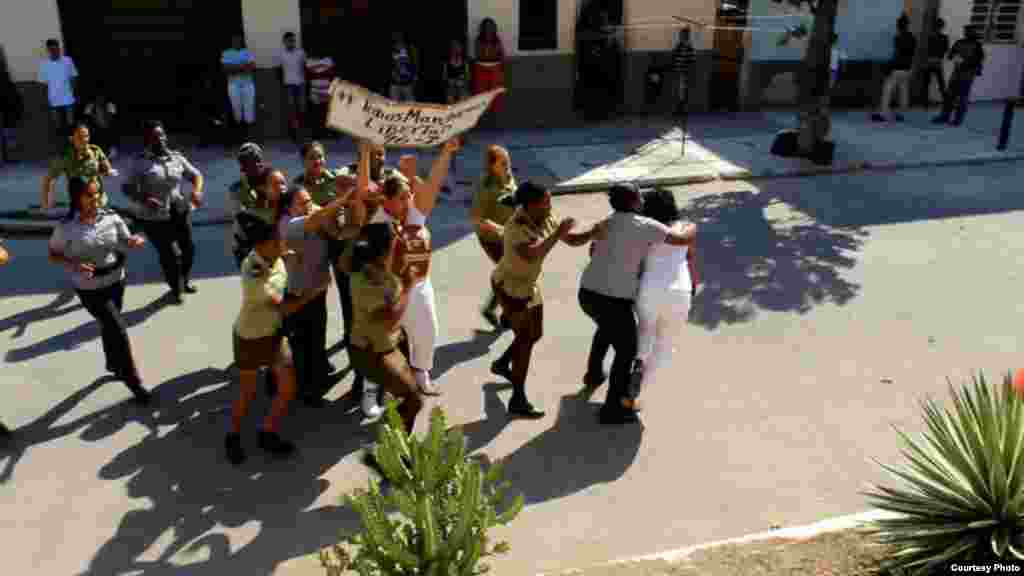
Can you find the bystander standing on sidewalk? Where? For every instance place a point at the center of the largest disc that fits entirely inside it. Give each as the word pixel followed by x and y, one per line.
pixel 968 56
pixel 938 47
pixel 102 116
pixel 404 70
pixel 60 75
pixel 455 74
pixel 321 71
pixel 683 62
pixel 898 79
pixel 292 71
pixel 239 64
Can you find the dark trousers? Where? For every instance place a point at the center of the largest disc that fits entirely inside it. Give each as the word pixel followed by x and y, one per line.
pixel 934 70
pixel 105 306
pixel 173 242
pixel 61 120
pixel 307 335
pixel 959 94
pixel 616 327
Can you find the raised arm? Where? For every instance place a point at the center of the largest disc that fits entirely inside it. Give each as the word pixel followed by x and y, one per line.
pixel 581 238
pixel 425 193
pixel 540 248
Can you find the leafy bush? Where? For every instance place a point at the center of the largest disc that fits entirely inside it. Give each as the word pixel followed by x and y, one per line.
pixel 445 504
pixel 961 499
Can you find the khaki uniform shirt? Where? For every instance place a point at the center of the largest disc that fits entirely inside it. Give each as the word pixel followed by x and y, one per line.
pixel 372 292
pixel 485 200
pixel 517 276
pixel 86 165
pixel 322 189
pixel 245 194
pixel 261 282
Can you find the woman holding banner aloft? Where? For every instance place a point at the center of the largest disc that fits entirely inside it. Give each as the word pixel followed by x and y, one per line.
pixel 406 203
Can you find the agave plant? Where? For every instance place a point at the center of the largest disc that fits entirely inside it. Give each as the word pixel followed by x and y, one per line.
pixel 961 499
pixel 444 504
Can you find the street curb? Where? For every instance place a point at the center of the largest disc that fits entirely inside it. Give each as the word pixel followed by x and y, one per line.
pixel 794 533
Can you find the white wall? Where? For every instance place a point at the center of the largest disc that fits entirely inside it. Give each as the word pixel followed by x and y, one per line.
pixel 865 28
pixel 506 14
pixel 265 23
pixel 1003 62
pixel 24 29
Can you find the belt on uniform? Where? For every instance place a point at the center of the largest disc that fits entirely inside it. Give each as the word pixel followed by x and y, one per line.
pixel 110 269
pixel 371 352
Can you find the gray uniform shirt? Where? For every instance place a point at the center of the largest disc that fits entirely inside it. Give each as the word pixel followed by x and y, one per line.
pixel 97 244
pixel 614 268
pixel 160 177
pixel 309 267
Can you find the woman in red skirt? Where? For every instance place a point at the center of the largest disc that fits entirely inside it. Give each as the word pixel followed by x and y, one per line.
pixel 489 70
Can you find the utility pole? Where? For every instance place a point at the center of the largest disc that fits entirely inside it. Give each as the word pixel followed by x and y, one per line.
pixel 1011 104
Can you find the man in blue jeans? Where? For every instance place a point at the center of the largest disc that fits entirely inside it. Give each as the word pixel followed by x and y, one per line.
pixel 60 76
pixel 969 56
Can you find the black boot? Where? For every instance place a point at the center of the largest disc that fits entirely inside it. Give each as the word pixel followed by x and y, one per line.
pixel 233 449
pixel 519 406
pixel 273 443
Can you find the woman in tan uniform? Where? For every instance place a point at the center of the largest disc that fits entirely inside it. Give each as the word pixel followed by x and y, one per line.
pixel 489 216
pixel 379 301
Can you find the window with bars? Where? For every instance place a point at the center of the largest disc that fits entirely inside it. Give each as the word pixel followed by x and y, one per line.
pixel 996 21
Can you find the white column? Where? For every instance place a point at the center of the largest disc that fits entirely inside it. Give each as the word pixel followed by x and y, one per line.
pixel 24 31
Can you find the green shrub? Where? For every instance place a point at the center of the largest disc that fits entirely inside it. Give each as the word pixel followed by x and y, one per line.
pixel 445 504
pixel 961 499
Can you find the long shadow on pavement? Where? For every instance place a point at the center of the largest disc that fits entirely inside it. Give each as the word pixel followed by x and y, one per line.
pixel 452 354
pixel 21 320
pixel 748 262
pixel 573 455
pixel 82 333
pixel 193 490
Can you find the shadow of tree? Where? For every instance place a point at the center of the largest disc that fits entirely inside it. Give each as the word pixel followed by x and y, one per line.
pixel 83 333
pixel 574 454
pixel 193 490
pixel 748 261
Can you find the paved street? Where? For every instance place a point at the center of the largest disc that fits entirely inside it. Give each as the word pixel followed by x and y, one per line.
pixel 832 305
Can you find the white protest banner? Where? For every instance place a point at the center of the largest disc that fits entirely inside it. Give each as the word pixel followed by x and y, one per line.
pixel 362 114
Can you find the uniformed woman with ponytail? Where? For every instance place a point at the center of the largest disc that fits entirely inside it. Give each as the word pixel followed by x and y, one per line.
pixel 90 243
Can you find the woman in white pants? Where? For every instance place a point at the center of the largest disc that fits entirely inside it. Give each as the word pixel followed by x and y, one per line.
pixel 407 203
pixel 667 285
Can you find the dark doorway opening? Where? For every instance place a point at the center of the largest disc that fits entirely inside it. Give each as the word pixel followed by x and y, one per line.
pixel 155 58
pixel 357 34
pixel 728 55
pixel 599 88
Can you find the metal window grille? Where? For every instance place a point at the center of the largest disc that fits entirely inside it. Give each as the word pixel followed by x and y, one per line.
pixel 996 21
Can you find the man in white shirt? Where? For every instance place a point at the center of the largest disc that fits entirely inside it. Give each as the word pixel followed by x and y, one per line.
pixel 292 71
pixel 59 74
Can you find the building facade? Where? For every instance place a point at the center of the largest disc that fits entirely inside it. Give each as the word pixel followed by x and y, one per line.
pixel 866 31
pixel 160 58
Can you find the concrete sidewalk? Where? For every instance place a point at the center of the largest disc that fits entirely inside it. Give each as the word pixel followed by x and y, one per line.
pixel 647 151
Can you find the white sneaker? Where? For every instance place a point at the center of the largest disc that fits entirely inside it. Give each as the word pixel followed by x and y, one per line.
pixel 426 385
pixel 370 408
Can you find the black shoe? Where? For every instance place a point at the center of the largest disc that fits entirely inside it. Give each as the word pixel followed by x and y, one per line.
pixel 5 432
pixel 233 448
pixel 191 288
pixel 940 119
pixel 331 368
pixel 498 369
pixel 314 402
pixel 956 122
pixel 897 118
pixel 523 409
pixel 491 317
pixel 617 416
pixel 142 396
pixel 271 442
pixel 877 118
pixel 591 380
pixel 177 298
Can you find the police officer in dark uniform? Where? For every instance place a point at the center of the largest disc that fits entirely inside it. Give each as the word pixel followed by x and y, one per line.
pixel 154 184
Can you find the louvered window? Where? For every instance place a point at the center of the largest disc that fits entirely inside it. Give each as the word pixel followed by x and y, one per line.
pixel 996 20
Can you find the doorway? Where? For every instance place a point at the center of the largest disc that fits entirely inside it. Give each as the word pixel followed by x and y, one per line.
pixel 357 34
pixel 728 55
pixel 154 58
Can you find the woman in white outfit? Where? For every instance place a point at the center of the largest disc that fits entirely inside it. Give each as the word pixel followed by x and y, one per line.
pixel 407 202
pixel 667 285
